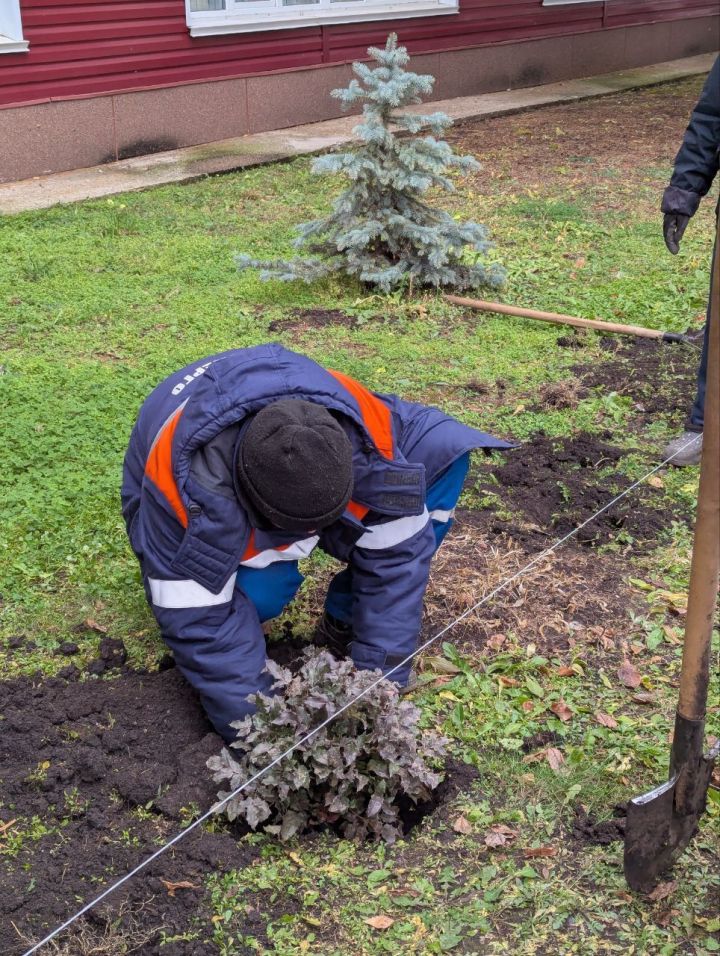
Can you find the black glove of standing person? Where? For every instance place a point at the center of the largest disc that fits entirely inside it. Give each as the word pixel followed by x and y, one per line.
pixel 674 225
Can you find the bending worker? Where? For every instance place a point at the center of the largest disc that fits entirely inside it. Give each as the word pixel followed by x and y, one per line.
pixel 240 465
pixel 696 166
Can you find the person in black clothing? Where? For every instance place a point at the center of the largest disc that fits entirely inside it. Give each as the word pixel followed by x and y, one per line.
pixel 696 166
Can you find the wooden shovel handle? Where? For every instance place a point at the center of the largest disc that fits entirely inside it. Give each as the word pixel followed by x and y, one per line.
pixel 705 570
pixel 555 317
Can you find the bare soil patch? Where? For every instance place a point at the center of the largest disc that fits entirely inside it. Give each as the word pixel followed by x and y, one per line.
pixel 301 320
pixel 660 378
pixel 572 598
pixel 557 484
pixel 113 768
pixel 586 829
pixel 82 758
pixel 609 145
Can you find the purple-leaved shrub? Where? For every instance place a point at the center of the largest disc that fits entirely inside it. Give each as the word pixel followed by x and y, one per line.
pixel 350 774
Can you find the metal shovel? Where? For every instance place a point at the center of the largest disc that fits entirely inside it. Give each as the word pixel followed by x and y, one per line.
pixel 661 823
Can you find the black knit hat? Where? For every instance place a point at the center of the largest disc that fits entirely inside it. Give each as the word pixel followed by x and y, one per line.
pixel 295 465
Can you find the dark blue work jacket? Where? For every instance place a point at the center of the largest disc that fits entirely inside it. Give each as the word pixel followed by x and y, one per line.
pixel 698 159
pixel 191 533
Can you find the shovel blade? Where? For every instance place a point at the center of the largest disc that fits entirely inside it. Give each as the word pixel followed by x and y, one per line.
pixel 661 823
pixel 649 843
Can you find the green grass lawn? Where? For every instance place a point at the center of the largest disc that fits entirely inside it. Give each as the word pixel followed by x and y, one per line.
pixel 100 300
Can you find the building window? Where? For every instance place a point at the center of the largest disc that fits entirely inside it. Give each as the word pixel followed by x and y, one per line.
pixel 208 17
pixel 11 35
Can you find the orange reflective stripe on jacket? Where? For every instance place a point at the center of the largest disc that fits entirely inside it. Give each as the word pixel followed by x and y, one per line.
pixel 359 511
pixel 252 552
pixel 378 421
pixel 375 413
pixel 159 470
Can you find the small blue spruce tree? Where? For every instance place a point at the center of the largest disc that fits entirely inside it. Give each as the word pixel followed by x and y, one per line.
pixel 380 230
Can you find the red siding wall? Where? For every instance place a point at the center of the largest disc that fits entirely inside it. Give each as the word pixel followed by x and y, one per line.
pixel 89 47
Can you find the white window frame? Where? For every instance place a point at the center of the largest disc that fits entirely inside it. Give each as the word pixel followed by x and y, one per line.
pixel 11 34
pixel 565 3
pixel 247 16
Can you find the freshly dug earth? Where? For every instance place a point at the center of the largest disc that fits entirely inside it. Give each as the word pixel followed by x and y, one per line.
pixel 80 759
pixel 585 829
pixel 659 378
pixel 556 484
pixel 108 770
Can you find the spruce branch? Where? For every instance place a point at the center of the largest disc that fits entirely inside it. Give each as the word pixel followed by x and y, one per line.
pixel 380 231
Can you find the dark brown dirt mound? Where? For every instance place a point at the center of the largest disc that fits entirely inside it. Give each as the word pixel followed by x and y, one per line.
pixel 103 772
pixel 558 483
pixel 586 829
pixel 459 777
pixel 81 759
pixel 313 319
pixel 658 377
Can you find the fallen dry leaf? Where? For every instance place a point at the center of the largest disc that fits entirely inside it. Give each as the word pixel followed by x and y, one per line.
pixel 462 825
pixel 535 852
pixel 527 706
pixel 438 682
pixel 508 681
pixel 380 922
pixel 643 697
pixel 499 835
pixel 662 891
pixel 566 672
pixel 495 839
pixel 671 635
pixel 629 674
pixel 664 919
pixel 656 482
pixel 92 625
pixel 181 885
pixel 439 665
pixel 605 720
pixel 561 710
pixel 554 757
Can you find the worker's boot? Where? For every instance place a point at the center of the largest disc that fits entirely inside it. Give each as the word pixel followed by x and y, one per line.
pixel 335 635
pixel 684 450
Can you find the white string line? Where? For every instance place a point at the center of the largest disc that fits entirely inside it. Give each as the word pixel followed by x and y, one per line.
pixel 303 740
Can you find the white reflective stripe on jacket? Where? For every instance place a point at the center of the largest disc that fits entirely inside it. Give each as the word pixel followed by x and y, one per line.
pixel 442 516
pixel 187 594
pixel 294 552
pixel 381 536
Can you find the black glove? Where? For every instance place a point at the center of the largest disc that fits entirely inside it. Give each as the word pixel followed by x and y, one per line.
pixel 674 226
